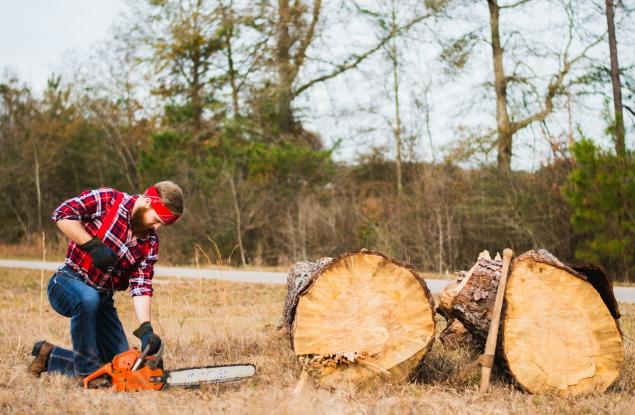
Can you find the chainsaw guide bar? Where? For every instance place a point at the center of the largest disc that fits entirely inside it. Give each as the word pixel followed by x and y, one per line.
pixel 195 376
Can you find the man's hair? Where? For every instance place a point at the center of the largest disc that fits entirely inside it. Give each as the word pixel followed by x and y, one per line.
pixel 171 195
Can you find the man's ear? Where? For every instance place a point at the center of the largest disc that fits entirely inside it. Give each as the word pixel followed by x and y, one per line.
pixel 146 202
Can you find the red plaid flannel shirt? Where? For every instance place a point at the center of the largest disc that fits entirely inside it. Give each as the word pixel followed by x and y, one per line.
pixel 136 259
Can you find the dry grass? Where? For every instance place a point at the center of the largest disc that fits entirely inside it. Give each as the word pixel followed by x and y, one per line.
pixel 211 322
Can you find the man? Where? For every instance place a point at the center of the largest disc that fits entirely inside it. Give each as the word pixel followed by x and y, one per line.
pixel 113 245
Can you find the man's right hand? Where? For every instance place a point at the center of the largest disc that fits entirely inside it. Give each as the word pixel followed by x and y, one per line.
pixel 145 333
pixel 102 256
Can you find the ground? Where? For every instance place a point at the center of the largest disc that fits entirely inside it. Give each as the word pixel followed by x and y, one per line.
pixel 214 322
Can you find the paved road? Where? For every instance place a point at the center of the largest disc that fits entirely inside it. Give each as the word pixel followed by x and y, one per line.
pixel 622 294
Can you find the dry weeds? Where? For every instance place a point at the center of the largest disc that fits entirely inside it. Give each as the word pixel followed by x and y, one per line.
pixel 212 322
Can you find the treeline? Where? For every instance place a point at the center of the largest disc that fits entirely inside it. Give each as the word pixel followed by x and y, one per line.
pixel 210 94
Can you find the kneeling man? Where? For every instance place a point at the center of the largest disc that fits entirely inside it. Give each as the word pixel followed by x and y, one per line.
pixel 113 246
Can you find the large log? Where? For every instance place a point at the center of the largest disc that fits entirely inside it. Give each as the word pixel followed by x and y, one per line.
pixel 559 329
pixel 576 343
pixel 361 318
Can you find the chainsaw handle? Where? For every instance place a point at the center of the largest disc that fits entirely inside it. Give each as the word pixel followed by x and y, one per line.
pixel 104 370
pixel 152 363
pixel 139 360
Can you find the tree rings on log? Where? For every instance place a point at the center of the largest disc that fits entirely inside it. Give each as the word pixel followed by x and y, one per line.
pixel 361 318
pixel 559 334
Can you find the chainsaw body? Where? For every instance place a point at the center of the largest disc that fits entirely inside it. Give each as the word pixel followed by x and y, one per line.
pixel 148 376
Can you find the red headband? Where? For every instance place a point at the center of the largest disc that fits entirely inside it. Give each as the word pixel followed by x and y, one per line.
pixel 166 215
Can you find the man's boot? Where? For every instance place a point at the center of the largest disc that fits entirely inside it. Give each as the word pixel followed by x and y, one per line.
pixel 41 351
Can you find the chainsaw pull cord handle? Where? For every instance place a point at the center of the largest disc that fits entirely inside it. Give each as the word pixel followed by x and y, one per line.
pixel 151 363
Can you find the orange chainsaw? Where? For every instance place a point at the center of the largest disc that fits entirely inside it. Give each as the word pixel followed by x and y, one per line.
pixel 133 371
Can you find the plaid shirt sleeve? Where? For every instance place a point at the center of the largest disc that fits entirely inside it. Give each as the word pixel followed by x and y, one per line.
pixel 141 276
pixel 90 204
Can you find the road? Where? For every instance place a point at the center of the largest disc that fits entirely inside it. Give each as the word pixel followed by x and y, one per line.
pixel 623 294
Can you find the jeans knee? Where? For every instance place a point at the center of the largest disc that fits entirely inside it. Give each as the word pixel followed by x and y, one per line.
pixel 87 303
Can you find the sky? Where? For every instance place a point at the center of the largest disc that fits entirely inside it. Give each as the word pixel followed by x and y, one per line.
pixel 36 35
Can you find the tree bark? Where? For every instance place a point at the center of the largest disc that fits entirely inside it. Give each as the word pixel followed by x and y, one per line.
pixel 470 298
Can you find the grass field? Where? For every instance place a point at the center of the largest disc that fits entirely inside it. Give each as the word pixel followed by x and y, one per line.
pixel 212 322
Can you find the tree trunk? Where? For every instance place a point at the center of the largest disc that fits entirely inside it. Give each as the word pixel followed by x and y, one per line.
pixel 620 148
pixel 559 331
pixel 503 125
pixel 361 318
pixel 395 75
pixel 38 190
pixel 228 23
pixel 238 219
pixel 284 93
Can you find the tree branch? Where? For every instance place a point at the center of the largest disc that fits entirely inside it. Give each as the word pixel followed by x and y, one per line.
pixel 552 89
pixel 308 38
pixel 510 6
pixel 345 66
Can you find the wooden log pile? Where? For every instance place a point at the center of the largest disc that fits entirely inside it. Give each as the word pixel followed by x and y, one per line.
pixel 361 318
pixel 559 330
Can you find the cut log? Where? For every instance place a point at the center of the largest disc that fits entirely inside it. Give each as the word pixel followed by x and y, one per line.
pixel 559 331
pixel 361 318
pixel 558 335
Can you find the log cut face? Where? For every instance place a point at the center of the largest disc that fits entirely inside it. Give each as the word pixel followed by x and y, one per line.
pixel 364 318
pixel 558 334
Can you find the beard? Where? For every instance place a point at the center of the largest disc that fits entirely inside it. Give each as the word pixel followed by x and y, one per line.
pixel 139 228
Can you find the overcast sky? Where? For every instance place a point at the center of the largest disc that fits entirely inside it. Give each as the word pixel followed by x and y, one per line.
pixel 35 35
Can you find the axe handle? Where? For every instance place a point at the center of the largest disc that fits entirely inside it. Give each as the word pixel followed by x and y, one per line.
pixel 492 335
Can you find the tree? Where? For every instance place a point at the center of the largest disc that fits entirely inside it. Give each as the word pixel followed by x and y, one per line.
pixel 179 39
pixel 506 126
pixel 620 147
pixel 295 29
pixel 601 192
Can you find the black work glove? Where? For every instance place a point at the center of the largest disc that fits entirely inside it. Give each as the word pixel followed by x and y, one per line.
pixel 102 256
pixel 147 336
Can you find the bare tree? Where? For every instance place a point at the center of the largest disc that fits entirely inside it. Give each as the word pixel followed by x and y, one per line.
pixel 620 147
pixel 296 27
pixel 507 126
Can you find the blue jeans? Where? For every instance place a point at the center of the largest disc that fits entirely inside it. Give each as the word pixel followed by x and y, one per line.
pixel 96 330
